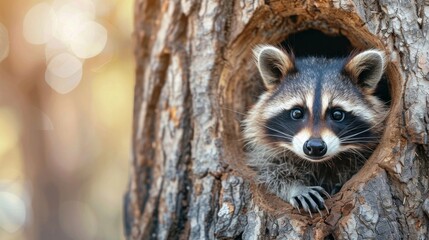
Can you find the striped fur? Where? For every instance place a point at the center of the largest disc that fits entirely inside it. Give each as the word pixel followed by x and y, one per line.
pixel 319 92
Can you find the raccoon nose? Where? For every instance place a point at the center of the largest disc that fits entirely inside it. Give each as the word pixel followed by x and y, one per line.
pixel 315 147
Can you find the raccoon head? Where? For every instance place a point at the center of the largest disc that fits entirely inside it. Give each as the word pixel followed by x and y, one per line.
pixel 316 107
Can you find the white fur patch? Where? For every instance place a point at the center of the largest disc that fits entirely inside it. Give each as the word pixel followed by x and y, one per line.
pixel 332 142
pixel 278 106
pixel 325 104
pixel 309 99
pixel 298 142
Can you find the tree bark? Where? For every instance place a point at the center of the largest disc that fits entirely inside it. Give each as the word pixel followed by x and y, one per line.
pixel 195 76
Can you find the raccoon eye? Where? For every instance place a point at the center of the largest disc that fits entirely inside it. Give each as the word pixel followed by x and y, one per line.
pixel 338 115
pixel 296 114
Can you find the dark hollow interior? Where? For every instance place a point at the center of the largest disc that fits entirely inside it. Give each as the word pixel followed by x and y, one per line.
pixel 316 43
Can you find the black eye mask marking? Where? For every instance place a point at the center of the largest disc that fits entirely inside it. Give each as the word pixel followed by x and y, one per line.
pixel 349 128
pixel 283 126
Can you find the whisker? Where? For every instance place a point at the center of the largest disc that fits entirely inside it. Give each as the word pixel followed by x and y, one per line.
pixel 348 130
pixel 279 136
pixel 342 133
pixel 360 142
pixel 366 130
pixel 364 138
pixel 234 111
pixel 278 131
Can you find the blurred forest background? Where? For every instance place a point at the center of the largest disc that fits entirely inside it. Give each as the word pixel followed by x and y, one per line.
pixel 66 96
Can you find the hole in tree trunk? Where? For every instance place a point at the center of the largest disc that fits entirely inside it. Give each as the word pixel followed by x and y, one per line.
pixel 243 84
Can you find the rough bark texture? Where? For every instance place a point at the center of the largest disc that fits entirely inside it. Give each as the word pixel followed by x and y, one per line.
pixel 195 76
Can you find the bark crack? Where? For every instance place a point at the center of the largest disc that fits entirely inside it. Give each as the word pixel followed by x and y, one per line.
pixel 190 192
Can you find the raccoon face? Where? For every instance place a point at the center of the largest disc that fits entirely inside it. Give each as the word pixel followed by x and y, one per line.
pixel 316 107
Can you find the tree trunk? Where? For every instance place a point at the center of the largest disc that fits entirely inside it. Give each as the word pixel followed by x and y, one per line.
pixel 195 75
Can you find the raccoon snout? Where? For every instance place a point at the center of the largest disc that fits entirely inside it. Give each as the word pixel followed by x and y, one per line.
pixel 315 147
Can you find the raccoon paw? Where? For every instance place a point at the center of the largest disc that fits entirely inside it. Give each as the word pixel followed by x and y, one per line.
pixel 309 198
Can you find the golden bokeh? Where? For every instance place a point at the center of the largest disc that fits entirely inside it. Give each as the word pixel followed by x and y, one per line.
pixel 66 100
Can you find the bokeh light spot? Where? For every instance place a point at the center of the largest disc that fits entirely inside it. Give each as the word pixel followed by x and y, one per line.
pixel 89 40
pixel 12 212
pixel 64 73
pixel 39 24
pixel 72 15
pixel 4 42
pixel 87 145
pixel 53 48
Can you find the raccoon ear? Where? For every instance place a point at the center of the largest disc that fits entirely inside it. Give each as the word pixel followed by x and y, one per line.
pixel 367 68
pixel 273 64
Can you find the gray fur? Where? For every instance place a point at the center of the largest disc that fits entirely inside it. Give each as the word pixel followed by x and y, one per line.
pixel 279 166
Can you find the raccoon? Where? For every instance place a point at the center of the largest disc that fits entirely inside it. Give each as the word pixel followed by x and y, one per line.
pixel 316 123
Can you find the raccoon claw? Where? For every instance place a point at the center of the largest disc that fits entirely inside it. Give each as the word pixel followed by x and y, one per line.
pixel 310 199
pixel 295 204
